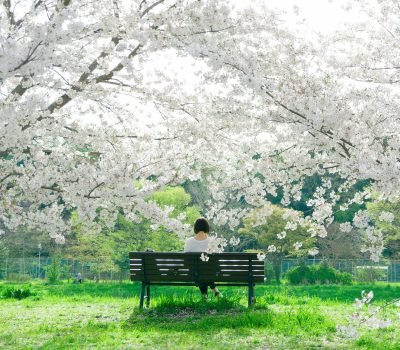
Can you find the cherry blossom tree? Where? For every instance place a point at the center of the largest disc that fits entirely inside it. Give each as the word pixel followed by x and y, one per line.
pixel 80 86
pixel 104 103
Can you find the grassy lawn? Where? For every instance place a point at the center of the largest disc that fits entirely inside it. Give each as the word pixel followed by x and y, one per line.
pixel 106 316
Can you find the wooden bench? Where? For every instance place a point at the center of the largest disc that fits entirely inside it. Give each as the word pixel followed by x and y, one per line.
pixel 187 269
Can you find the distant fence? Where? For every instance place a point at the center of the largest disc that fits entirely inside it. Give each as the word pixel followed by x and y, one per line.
pixel 25 268
pixel 390 268
pixel 20 268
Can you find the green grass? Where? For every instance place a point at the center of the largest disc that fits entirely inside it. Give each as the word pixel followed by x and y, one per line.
pixel 106 316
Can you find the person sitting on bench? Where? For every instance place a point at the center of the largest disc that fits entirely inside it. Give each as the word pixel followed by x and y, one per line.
pixel 199 243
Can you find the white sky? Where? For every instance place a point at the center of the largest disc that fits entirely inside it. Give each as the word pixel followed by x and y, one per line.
pixel 325 16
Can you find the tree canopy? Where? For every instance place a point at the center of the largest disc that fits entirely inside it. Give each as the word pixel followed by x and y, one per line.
pixel 98 96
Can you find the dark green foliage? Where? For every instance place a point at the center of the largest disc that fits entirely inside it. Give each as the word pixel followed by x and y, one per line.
pixel 310 185
pixel 300 274
pixel 17 293
pixel 317 274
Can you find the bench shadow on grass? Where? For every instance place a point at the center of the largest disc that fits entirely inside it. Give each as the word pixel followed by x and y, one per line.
pixel 188 313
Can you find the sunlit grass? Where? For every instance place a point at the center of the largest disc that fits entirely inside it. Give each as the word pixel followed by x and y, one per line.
pixel 106 316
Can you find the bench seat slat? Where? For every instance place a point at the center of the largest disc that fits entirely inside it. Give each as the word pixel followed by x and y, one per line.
pixel 233 275
pixel 161 278
pixel 202 265
pixel 209 270
pixel 202 273
pixel 226 277
pixel 191 258
pixel 193 261
pixel 175 255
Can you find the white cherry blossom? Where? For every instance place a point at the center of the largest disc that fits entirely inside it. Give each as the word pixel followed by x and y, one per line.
pixel 204 257
pixel 261 256
pixel 281 235
pixel 297 245
pixel 386 216
pixel 313 251
pixel 346 227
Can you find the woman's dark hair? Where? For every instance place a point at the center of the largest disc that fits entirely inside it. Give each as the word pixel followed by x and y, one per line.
pixel 201 224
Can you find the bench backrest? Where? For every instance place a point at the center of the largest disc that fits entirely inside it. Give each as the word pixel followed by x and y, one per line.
pixel 188 267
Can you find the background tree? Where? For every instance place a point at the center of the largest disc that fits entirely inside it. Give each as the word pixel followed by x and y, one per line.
pixel 24 242
pixel 273 231
pixel 3 259
pixel 108 250
pixel 93 250
pixel 386 217
pixel 339 245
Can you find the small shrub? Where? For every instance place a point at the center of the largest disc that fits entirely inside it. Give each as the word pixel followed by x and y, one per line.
pixel 320 273
pixel 345 278
pixel 299 275
pixel 17 293
pixel 370 274
pixel 55 271
pixel 324 273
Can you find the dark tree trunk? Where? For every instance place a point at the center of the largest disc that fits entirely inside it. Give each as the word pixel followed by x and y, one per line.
pixel 276 265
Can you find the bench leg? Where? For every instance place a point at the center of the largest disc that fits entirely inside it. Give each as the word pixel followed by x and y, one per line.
pixel 148 295
pixel 142 295
pixel 251 295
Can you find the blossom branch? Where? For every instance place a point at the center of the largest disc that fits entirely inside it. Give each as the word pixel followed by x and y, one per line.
pixel 148 9
pixel 365 319
pixel 9 175
pixel 93 189
pixel 29 58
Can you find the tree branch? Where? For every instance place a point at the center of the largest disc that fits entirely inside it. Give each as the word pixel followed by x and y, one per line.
pixel 9 13
pixel 147 10
pixel 19 89
pixel 29 57
pixel 83 79
pixel 118 67
pixel 54 188
pixel 93 189
pixel 9 175
pixel 277 153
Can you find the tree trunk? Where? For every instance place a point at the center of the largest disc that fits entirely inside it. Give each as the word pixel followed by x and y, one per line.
pixel 277 270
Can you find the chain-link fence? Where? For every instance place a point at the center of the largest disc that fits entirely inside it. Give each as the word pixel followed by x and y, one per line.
pixel 21 269
pixel 384 270
pixel 24 269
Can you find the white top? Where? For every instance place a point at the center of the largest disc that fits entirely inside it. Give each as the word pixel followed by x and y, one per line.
pixel 194 245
